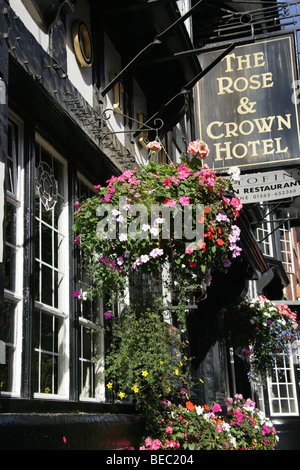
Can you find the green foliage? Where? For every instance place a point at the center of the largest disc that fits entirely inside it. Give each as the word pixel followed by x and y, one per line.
pixel 146 359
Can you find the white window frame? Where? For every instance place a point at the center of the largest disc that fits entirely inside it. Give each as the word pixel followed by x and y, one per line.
pixel 289 386
pixel 286 245
pixel 262 232
pixel 15 296
pixel 62 312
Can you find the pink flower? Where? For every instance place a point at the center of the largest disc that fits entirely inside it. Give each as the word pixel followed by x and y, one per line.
pixel 189 250
pixel 148 441
pixel 156 444
pixel 76 294
pixel 184 174
pixel 169 430
pixel 265 429
pixel 170 202
pixel 184 201
pixel 154 145
pixel 199 149
pixel 236 203
pixel 108 315
pixel 167 181
pixel 216 408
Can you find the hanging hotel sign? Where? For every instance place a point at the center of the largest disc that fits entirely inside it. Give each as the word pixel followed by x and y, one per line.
pixel 268 185
pixel 248 114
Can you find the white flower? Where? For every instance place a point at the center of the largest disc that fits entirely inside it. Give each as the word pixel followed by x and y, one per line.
pixel 199 410
pixel 115 212
pixel 154 231
pixel 145 227
pixel 158 221
pixel 144 258
pixel 234 172
pixel 123 237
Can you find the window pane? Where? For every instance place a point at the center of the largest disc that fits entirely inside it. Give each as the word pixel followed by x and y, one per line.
pixel 51 274
pixel 282 387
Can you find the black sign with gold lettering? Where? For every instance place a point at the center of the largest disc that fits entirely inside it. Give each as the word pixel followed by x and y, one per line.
pixel 247 107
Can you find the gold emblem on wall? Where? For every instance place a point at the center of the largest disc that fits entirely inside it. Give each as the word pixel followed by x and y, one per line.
pixel 82 43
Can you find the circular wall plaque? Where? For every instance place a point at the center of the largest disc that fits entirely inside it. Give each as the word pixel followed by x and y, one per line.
pixel 82 44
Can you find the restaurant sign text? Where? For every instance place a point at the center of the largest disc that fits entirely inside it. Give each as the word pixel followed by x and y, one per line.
pixel 268 186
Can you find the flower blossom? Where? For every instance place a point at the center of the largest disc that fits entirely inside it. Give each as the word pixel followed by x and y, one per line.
pixel 108 315
pixel 156 444
pixel 198 148
pixel 154 145
pixel 184 200
pixel 156 252
pixel 234 172
pixel 216 407
pixel 222 218
pixel 170 202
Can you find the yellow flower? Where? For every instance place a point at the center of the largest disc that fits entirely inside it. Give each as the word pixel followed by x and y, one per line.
pixel 135 389
pixel 144 373
pixel 200 380
pixel 109 385
pixel 161 362
pixel 180 363
pixel 176 372
pixel 47 390
pixel 121 395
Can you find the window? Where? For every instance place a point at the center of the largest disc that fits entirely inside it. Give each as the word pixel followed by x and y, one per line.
pixel 51 316
pixel 49 281
pixel 287 247
pixel 91 341
pixel 263 232
pixel 282 387
pixel 13 282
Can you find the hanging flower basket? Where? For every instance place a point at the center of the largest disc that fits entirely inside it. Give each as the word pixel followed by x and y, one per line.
pixel 261 330
pixel 180 214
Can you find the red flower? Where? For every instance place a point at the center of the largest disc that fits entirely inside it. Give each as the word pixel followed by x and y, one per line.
pixel 190 406
pixel 202 246
pixel 193 264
